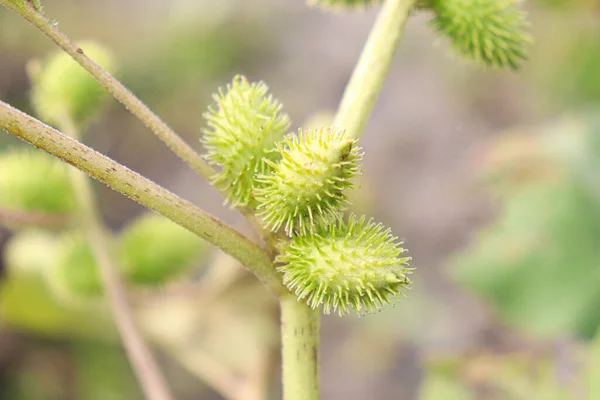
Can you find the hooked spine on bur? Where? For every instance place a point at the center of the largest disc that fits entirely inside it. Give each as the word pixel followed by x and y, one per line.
pixel 243 128
pixel 344 266
pixel 307 185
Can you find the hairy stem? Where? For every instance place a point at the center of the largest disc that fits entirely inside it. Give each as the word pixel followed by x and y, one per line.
pixel 116 88
pixel 143 363
pixel 300 351
pixel 372 67
pixel 144 191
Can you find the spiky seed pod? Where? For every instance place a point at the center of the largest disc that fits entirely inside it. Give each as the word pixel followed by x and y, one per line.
pixel 154 249
pixel 242 131
pixel 342 4
pixel 307 185
pixel 343 266
pixel 493 32
pixel 34 181
pixel 62 88
pixel 74 274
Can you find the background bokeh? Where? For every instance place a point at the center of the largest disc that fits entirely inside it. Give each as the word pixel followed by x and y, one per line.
pixel 490 177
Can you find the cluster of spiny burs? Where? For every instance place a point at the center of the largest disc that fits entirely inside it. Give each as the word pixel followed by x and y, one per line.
pixel 297 185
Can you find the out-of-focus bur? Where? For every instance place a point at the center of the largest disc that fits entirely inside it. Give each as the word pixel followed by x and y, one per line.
pixel 153 249
pixel 344 266
pixel 34 181
pixel 63 89
pixel 243 128
pixel 307 185
pixel 492 32
pixel 74 275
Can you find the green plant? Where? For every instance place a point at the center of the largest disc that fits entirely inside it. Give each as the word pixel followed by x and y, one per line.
pixel 518 263
pixel 292 187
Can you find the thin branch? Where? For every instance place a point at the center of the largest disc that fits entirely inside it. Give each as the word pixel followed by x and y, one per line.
pixel 372 67
pixel 116 88
pixel 144 191
pixel 9 217
pixel 142 360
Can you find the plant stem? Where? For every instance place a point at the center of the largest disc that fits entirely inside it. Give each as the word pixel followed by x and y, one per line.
pixel 143 363
pixel 144 191
pixel 116 88
pixel 300 349
pixel 372 67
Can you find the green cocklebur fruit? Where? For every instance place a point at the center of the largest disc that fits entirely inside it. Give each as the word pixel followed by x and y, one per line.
pixel 34 181
pixel 242 131
pixel 63 89
pixel 489 31
pixel 307 185
pixel 74 274
pixel 154 249
pixel 346 265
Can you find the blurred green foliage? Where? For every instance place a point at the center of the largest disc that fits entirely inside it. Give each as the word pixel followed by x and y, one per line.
pixel 539 261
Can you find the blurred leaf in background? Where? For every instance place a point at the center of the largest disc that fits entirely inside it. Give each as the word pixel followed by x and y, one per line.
pixel 512 376
pixel 538 263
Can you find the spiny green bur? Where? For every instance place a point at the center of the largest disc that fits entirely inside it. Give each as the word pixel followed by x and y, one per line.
pixel 307 185
pixel 63 89
pixel 74 274
pixel 153 249
pixel 343 266
pixel 242 131
pixel 492 32
pixel 34 181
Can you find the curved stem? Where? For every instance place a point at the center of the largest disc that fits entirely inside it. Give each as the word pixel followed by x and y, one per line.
pixel 116 88
pixel 144 191
pixel 372 67
pixel 300 349
pixel 143 363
